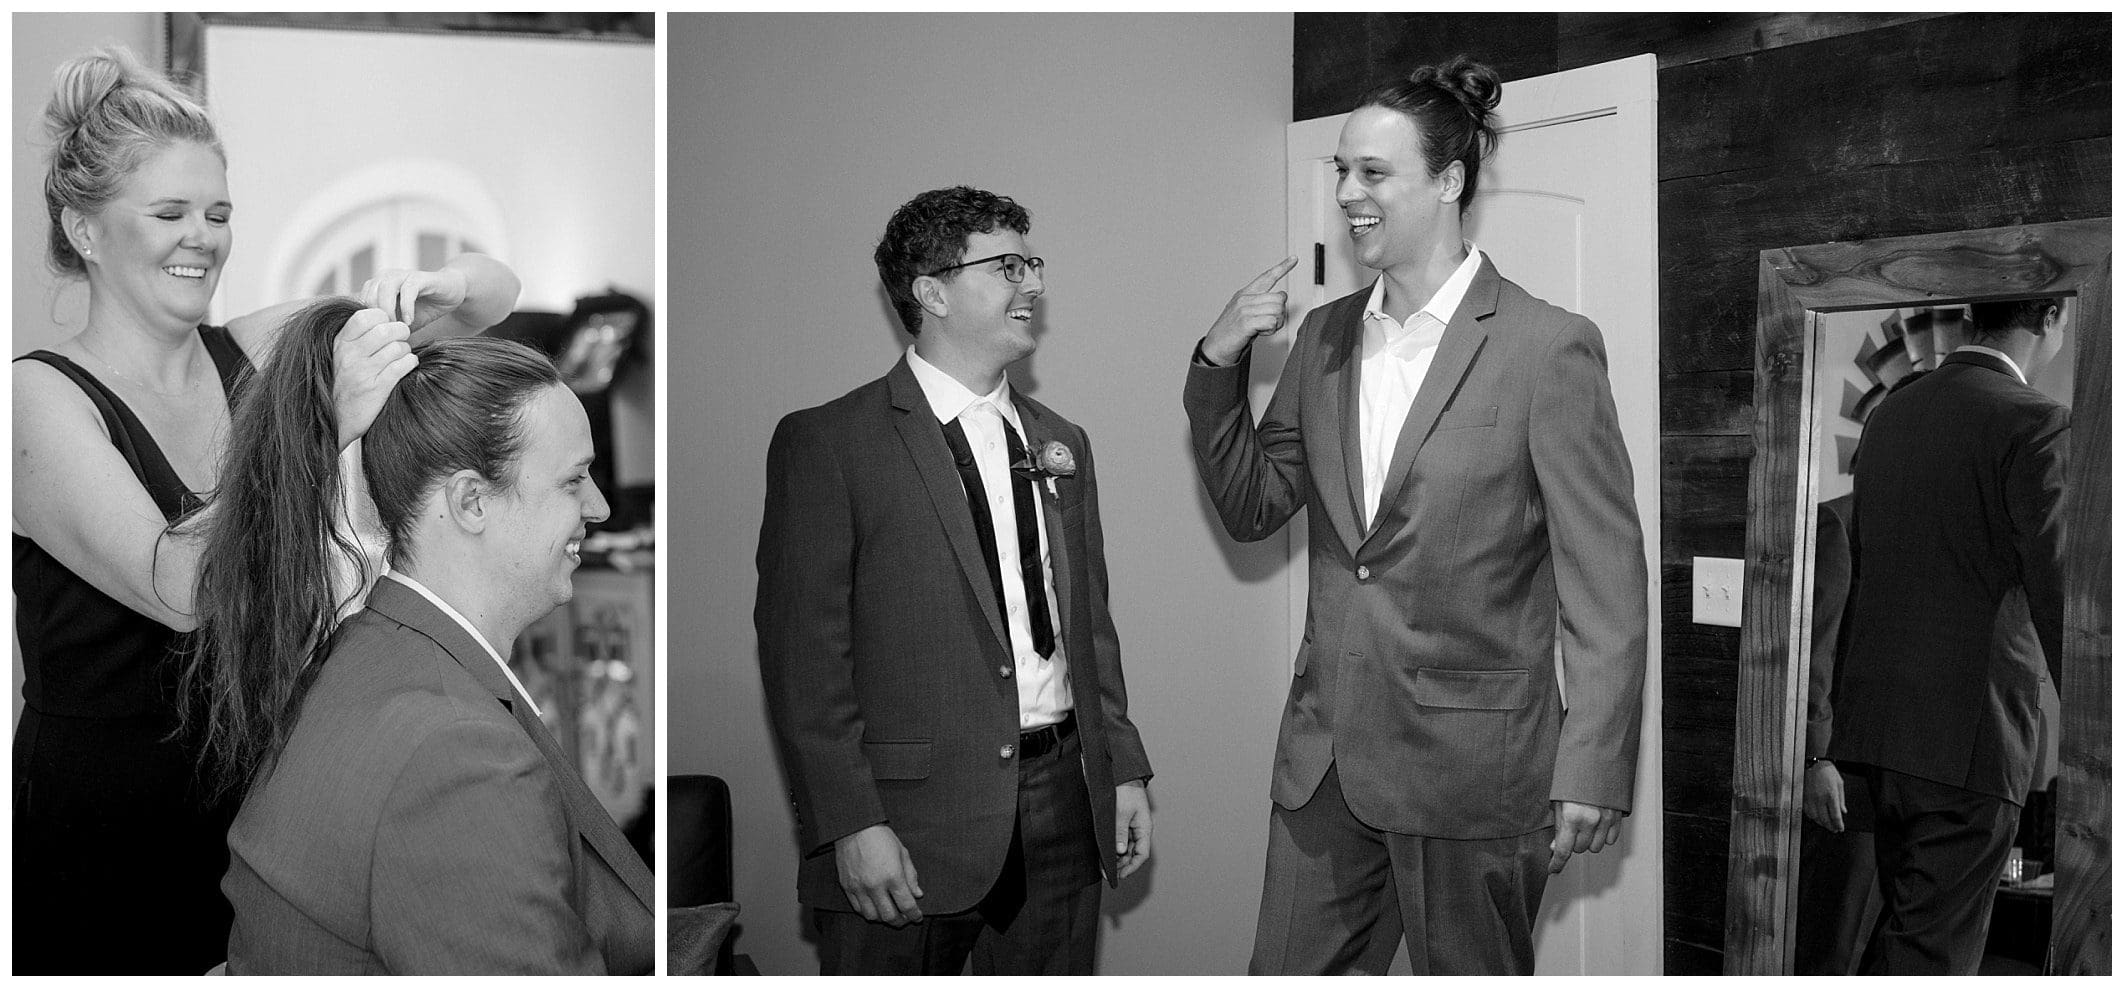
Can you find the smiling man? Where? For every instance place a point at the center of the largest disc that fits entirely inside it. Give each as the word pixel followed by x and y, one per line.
pixel 940 666
pixel 1472 503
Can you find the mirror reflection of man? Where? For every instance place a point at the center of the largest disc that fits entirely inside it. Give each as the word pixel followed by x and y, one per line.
pixel 1959 491
pixel 940 665
pixel 1456 445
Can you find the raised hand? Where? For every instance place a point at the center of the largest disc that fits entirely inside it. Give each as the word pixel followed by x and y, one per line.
pixel 1581 827
pixel 878 876
pixel 415 297
pixel 369 356
pixel 1254 311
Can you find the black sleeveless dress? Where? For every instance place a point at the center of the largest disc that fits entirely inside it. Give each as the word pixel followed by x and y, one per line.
pixel 118 857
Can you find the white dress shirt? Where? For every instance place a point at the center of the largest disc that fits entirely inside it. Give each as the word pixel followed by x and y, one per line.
pixel 1043 684
pixel 1396 357
pixel 445 607
pixel 1975 348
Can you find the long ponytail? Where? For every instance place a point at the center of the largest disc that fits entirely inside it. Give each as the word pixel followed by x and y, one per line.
pixel 265 590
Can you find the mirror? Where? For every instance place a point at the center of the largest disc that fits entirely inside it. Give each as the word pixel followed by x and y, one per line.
pixel 1838 326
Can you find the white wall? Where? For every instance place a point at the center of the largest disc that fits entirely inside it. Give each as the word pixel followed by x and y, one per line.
pixel 561 132
pixel 1149 150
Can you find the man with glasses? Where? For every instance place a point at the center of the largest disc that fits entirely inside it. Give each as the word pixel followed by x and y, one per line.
pixel 940 666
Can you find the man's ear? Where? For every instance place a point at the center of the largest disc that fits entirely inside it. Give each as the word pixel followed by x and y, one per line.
pixel 2053 318
pixel 1453 181
pixel 930 293
pixel 466 498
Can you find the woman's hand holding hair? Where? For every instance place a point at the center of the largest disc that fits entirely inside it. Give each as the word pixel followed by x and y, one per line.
pixel 463 297
pixel 416 297
pixel 369 357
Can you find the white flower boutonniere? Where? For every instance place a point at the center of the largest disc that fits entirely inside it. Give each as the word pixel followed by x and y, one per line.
pixel 1051 461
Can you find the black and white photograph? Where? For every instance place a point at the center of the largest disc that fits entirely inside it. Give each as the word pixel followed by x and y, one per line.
pixel 923 493
pixel 333 386
pixel 1370 453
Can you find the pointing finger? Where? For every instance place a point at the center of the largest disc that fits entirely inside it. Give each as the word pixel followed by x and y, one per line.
pixel 1271 276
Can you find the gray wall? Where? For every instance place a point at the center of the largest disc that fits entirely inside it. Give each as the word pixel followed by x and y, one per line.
pixel 47 309
pixel 1149 150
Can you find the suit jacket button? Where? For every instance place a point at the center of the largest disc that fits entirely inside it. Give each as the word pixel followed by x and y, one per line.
pixel 1364 572
pixel 1003 671
pixel 1006 751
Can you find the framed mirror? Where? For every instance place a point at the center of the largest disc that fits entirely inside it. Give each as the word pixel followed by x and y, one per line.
pixel 1837 324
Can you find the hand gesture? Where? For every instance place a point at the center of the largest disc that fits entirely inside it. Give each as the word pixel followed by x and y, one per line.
pixel 369 356
pixel 878 876
pixel 1581 827
pixel 1822 795
pixel 414 297
pixel 1132 826
pixel 1254 311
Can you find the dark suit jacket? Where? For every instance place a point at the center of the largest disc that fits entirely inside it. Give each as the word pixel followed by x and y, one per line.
pixel 886 662
pixel 1832 594
pixel 1959 492
pixel 420 820
pixel 1427 673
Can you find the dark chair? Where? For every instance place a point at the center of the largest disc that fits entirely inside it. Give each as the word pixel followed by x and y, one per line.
pixel 700 864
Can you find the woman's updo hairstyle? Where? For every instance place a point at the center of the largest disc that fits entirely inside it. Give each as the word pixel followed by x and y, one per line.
pixel 107 114
pixel 1451 105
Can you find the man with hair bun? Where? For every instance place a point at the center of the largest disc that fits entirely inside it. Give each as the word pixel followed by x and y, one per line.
pixel 1471 510
pixel 938 659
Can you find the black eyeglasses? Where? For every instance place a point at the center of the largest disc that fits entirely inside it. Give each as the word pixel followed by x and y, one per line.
pixel 1014 267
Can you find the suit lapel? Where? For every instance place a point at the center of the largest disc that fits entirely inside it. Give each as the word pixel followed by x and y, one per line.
pixel 1038 431
pixel 402 604
pixel 924 440
pixel 1464 337
pixel 1343 330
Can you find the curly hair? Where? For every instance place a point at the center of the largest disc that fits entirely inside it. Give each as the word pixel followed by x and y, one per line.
pixel 930 232
pixel 1452 106
pixel 107 114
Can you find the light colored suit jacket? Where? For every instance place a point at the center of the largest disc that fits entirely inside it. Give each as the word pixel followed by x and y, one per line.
pixel 420 820
pixel 1427 674
pixel 886 662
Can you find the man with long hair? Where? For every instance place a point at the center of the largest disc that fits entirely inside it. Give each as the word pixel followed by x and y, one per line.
pixel 405 809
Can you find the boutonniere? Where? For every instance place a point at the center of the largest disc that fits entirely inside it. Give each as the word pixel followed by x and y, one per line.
pixel 1050 461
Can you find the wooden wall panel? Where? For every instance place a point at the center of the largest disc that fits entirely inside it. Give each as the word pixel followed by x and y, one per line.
pixel 1680 39
pixel 1775 130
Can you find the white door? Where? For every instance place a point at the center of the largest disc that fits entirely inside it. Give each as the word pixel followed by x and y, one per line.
pixel 1568 209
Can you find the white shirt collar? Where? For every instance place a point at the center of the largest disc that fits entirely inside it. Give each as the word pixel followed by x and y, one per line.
pixel 1976 348
pixel 444 606
pixel 948 398
pixel 1442 305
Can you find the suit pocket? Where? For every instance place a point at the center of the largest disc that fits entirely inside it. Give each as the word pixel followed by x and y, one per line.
pixel 1468 418
pixel 1473 689
pixel 905 760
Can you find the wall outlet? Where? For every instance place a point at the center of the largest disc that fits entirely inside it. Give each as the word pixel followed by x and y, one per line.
pixel 1715 592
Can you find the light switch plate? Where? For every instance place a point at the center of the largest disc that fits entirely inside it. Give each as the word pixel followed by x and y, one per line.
pixel 1715 592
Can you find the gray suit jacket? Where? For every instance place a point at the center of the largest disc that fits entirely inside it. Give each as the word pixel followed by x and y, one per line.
pixel 883 651
pixel 420 820
pixel 1427 672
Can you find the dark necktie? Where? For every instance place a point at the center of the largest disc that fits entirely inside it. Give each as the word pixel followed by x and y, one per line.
pixel 1023 501
pixel 1024 492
